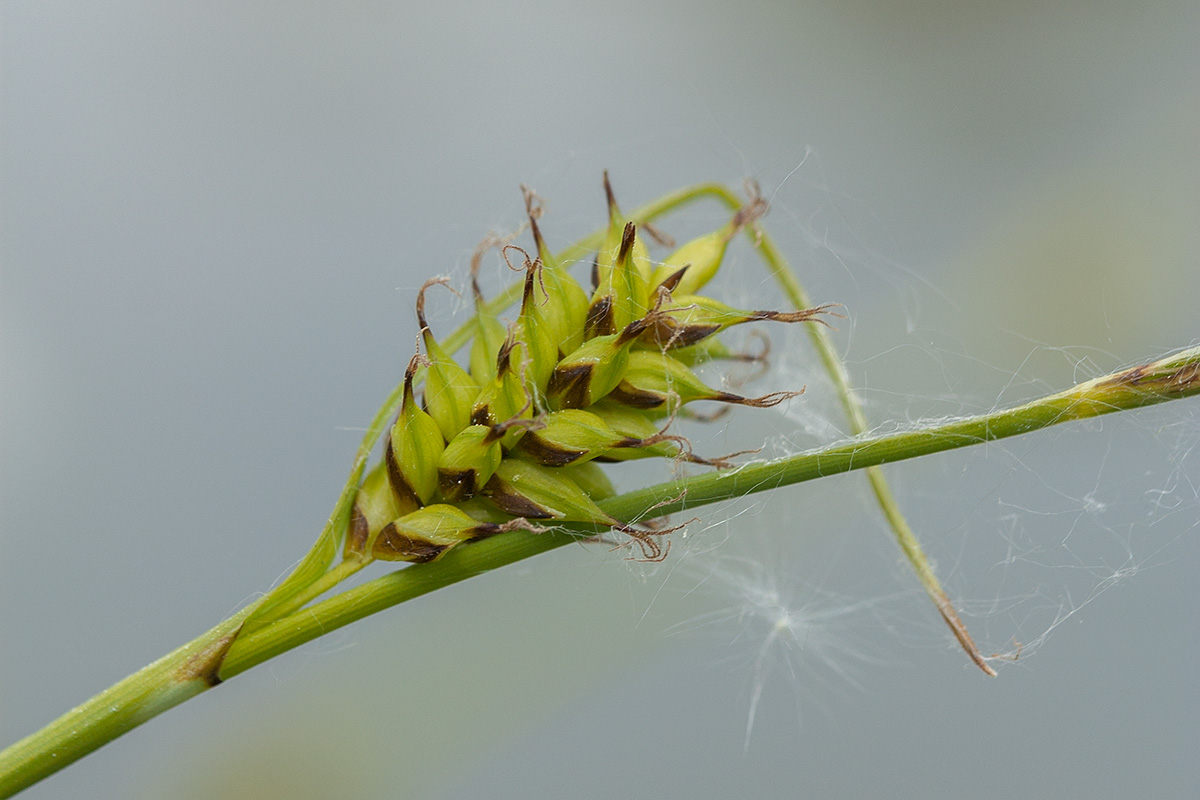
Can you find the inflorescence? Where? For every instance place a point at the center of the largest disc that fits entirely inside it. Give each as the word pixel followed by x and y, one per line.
pixel 577 378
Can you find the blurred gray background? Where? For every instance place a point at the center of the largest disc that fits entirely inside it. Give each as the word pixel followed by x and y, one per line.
pixel 214 217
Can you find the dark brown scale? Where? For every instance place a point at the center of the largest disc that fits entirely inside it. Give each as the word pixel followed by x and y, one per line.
pixel 512 503
pixel 630 396
pixel 358 531
pixel 547 453
pixel 600 318
pixel 400 487
pixel 458 484
pixel 666 332
pixel 406 547
pixel 570 385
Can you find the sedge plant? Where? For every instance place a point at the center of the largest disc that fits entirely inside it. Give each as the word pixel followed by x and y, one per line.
pixel 501 457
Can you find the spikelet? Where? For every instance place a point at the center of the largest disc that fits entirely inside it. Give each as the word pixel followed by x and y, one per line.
pixel 472 456
pixel 449 389
pixel 656 382
pixel 413 448
pixel 691 319
pixel 427 533
pixel 569 306
pixel 695 263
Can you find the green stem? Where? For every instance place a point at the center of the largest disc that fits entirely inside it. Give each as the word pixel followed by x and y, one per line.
pixel 221 653
pixel 180 675
pixel 1171 378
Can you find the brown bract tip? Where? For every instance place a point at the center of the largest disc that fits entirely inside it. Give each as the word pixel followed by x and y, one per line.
pixel 610 197
pixel 755 208
pixel 627 238
pixel 813 314
pixel 205 664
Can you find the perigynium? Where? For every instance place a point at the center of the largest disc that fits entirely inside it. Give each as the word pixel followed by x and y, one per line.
pixel 498 458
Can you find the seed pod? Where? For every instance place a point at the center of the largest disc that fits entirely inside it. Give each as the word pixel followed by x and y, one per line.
pixel 413 448
pixel 426 534
pixel 449 391
pixel 471 457
pixel 506 395
pixel 591 479
pixel 626 420
pixel 639 255
pixel 480 508
pixel 690 319
pixel 621 295
pixel 589 373
pixel 571 436
pixel 703 255
pixel 574 436
pixel 620 274
pixel 656 381
pixel 540 325
pixel 569 298
pixel 374 507
pixel 535 492
pixel 644 438
pixel 525 489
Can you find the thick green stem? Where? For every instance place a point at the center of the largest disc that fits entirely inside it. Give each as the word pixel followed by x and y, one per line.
pixel 1171 378
pixel 221 653
pixel 177 676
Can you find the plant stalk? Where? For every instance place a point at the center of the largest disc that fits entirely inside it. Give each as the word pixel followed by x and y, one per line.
pixel 227 650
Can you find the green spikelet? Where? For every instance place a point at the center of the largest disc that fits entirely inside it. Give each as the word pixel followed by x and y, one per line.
pixel 571 436
pixel 591 479
pixel 525 489
pixel 539 326
pixel 655 381
pixel 428 533
pixel 449 391
pixel 570 304
pixel 595 369
pixel 374 507
pixel 577 378
pixel 615 302
pixel 413 448
pixel 691 319
pixel 505 396
pixel 703 255
pixel 471 458
pixel 533 491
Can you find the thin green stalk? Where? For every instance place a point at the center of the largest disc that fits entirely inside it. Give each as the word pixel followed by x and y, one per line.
pixel 180 675
pixel 227 650
pixel 822 342
pixel 853 407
